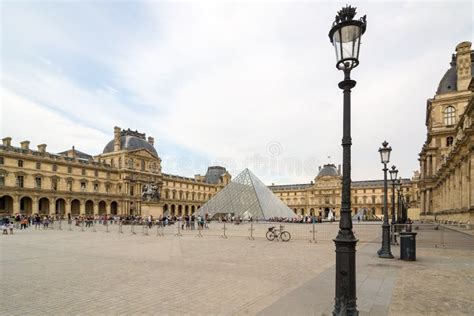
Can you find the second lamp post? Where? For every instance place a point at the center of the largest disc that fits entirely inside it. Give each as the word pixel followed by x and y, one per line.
pixel 393 176
pixel 385 251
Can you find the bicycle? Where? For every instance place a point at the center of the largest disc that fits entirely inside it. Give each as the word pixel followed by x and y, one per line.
pixel 281 234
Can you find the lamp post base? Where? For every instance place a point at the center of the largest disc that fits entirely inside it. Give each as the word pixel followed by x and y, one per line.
pixel 345 300
pixel 385 251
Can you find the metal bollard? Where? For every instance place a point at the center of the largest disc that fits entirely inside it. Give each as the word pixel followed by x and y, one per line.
pixel 132 229
pixel 93 227
pixel 199 231
pixel 107 226
pixel 224 229
pixel 179 230
pixel 251 231
pixel 60 227
pixel 82 226
pixel 162 230
pixel 120 228
pixel 145 230
pixel 314 233
pixel 70 225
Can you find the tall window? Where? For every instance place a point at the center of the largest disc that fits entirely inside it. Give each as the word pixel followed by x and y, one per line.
pixel 54 184
pixel 69 169
pixel 2 180
pixel 449 141
pixel 38 182
pixel 55 167
pixel 96 187
pixel 83 186
pixel 96 173
pixel 449 115
pixel 143 165
pixel 1 161
pixel 20 163
pixel 38 165
pixel 83 172
pixel 20 181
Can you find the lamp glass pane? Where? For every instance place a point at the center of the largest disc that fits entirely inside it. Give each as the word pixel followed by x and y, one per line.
pixel 347 37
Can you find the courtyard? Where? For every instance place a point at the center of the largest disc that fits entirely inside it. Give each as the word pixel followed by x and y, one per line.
pixel 93 272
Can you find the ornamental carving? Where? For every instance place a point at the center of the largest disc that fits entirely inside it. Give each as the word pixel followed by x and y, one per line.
pixel 151 192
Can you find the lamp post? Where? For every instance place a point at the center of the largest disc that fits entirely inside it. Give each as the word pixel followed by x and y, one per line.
pixel 393 177
pixel 398 186
pixel 385 251
pixel 345 35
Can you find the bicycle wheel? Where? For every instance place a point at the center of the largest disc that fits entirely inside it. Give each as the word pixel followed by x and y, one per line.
pixel 270 235
pixel 285 236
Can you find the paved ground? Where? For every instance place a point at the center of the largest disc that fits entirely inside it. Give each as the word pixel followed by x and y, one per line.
pixel 74 272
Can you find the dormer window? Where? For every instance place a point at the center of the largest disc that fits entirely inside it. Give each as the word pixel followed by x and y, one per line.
pixel 449 115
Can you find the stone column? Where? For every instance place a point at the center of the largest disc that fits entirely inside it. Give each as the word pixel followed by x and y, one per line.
pixel 67 209
pixel 82 209
pixel 52 207
pixel 16 204
pixel 96 207
pixel 35 206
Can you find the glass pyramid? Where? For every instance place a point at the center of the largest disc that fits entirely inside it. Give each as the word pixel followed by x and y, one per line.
pixel 246 196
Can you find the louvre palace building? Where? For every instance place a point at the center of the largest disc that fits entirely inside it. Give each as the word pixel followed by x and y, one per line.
pixel 127 179
pixel 446 158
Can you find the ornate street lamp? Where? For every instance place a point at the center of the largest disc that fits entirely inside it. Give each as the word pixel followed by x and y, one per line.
pixel 385 251
pixel 393 176
pixel 345 35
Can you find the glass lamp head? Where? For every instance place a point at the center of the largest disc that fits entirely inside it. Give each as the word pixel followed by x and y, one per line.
pixel 385 153
pixel 345 35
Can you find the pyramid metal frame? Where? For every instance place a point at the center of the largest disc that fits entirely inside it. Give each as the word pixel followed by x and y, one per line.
pixel 246 196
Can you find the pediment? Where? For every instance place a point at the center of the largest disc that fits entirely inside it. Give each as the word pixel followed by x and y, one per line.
pixel 143 153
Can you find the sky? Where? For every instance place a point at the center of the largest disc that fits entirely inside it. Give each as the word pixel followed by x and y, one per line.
pixel 238 84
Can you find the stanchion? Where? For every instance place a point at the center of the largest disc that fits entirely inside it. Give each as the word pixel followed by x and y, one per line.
pixel 107 224
pixel 158 230
pixel 93 226
pixel 82 226
pixel 251 231
pixel 179 230
pixel 60 226
pixel 132 229
pixel 441 238
pixel 313 231
pixel 199 234
pixel 120 227
pixel 224 229
pixel 70 224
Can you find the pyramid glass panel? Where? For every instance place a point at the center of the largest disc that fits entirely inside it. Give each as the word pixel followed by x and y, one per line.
pixel 246 196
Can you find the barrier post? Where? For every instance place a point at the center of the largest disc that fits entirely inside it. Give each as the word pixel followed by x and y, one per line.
pixel 199 231
pixel 313 231
pixel 132 228
pixel 60 228
pixel 224 229
pixel 107 223
pixel 82 226
pixel 251 231
pixel 179 229
pixel 70 224
pixel 93 227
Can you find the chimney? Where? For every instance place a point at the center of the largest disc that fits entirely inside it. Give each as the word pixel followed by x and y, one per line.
pixel 463 65
pixel 73 152
pixel 151 140
pixel 42 148
pixel 7 141
pixel 117 144
pixel 25 144
pixel 339 169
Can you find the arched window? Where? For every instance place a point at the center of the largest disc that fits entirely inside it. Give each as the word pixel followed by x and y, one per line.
pixel 449 115
pixel 449 141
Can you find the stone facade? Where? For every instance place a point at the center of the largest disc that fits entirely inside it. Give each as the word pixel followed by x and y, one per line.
pixel 125 179
pixel 323 195
pixel 446 158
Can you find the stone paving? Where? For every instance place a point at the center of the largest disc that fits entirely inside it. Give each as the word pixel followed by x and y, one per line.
pixel 74 272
